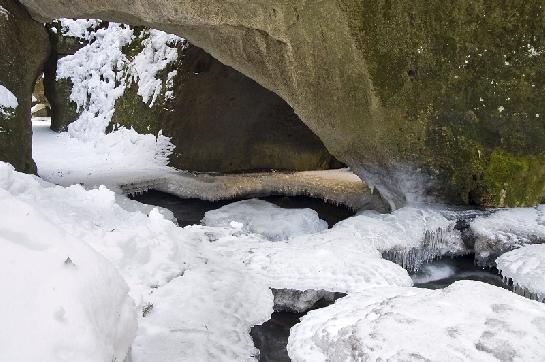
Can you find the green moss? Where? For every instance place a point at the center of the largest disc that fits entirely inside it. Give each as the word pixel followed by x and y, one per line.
pixel 459 84
pixel 513 180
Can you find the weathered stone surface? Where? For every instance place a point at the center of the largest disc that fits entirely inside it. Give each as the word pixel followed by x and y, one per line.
pixel 386 85
pixel 24 49
pixel 222 121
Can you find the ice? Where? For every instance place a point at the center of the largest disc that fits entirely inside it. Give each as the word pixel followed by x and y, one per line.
pixel 62 301
pixel 505 230
pixel 467 321
pixel 267 219
pixel 433 271
pixel 300 301
pixel 526 268
pixel 7 101
pixel 408 236
pixel 4 12
pixel 328 261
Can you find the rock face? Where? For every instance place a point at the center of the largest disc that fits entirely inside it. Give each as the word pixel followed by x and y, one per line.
pixel 451 89
pixel 222 121
pixel 219 120
pixel 24 49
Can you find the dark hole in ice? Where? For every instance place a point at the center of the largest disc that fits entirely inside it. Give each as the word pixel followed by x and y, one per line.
pixel 191 211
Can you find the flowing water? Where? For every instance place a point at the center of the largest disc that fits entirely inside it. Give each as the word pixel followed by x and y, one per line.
pixel 271 337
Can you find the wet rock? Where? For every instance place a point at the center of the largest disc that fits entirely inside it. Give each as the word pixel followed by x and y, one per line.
pixel 24 47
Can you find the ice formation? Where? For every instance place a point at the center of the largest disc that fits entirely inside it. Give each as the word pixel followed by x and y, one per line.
pixel 60 294
pixel 505 230
pixel 526 268
pixel 467 321
pixel 300 301
pixel 432 272
pixel 267 219
pixel 408 236
pixel 8 101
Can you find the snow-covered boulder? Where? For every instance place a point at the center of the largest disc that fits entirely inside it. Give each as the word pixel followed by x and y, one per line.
pixel 467 321
pixel 507 229
pixel 61 300
pixel 526 268
pixel 267 219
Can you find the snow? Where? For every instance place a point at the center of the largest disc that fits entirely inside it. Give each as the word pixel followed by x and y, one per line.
pixel 409 236
pixel 7 101
pixel 100 72
pixel 159 51
pixel 59 293
pixel 79 28
pixel 155 258
pixel 526 267
pixel 508 229
pixel 467 321
pixel 267 219
pixel 111 159
pixel 4 12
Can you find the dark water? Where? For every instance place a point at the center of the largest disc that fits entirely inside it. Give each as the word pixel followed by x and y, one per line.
pixel 191 211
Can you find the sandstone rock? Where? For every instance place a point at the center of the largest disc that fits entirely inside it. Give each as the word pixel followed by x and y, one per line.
pixel 24 49
pixel 454 90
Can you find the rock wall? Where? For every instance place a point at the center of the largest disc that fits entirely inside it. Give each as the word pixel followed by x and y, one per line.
pixel 24 48
pixel 453 90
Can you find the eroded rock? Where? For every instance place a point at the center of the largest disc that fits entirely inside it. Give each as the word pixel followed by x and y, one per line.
pixel 24 49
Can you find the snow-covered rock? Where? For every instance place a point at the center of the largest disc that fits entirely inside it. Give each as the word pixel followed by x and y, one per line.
pixel 505 230
pixel 526 268
pixel 267 219
pixel 408 236
pixel 62 301
pixel 467 321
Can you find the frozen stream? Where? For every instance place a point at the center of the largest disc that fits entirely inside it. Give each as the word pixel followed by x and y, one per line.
pixel 271 337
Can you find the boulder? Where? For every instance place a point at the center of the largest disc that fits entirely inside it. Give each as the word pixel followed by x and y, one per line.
pixel 453 91
pixel 25 48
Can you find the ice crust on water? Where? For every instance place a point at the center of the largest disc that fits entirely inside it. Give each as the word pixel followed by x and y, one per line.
pixel 267 219
pixel 59 293
pixel 408 236
pixel 467 321
pixel 526 268
pixel 505 230
pixel 8 101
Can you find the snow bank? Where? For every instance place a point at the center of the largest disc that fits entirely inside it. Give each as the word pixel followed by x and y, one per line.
pixel 505 230
pixel 60 295
pixel 111 159
pixel 267 219
pixel 156 258
pixel 468 321
pixel 7 101
pixel 526 267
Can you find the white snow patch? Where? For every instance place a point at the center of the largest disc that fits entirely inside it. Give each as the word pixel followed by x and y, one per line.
pixel 59 293
pixel 526 267
pixel 4 12
pixel 7 101
pixel 79 28
pixel 264 218
pixel 467 321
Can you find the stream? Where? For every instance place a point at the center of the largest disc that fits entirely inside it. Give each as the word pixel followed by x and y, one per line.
pixel 271 337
